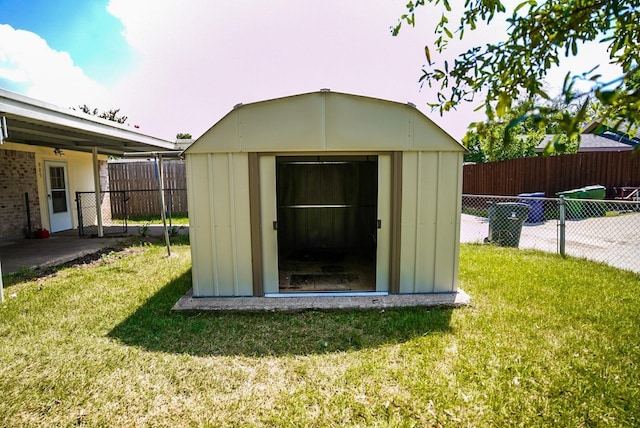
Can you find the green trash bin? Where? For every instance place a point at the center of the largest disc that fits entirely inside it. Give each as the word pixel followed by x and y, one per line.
pixel 595 209
pixel 574 210
pixel 505 222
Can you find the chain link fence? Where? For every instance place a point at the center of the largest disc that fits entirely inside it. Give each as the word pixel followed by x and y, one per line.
pixel 118 207
pixel 601 230
pixel 88 218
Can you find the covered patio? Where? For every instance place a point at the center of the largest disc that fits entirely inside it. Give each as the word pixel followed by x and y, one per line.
pixel 47 154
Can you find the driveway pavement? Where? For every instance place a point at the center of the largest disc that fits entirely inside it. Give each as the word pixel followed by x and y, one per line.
pixel 612 240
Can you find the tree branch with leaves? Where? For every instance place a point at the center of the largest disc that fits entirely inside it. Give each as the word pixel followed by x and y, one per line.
pixel 111 115
pixel 539 35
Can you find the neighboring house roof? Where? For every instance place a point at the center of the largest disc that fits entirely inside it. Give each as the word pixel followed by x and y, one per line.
pixel 597 127
pixel 592 143
pixel 620 134
pixel 34 122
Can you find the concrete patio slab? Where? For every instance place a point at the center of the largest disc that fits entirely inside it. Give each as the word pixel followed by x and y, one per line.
pixel 59 248
pixel 303 303
pixel 62 247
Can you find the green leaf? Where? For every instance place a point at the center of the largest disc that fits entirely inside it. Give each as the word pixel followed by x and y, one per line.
pixel 542 94
pixel 548 149
pixel 606 97
pixel 504 102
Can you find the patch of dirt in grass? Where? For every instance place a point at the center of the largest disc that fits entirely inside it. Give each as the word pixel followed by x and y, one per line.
pixel 105 256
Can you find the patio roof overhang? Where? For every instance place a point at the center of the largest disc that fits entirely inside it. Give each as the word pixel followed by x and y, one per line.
pixel 34 122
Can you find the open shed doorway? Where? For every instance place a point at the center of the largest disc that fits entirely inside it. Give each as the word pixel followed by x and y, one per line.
pixel 327 223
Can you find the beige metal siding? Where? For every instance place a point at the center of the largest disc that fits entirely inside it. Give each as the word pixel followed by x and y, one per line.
pixel 429 221
pixel 218 191
pixel 223 137
pixel 427 136
pixel 197 168
pixel 269 214
pixel 354 123
pixel 383 242
pixel 283 125
pixel 448 222
pixel 458 212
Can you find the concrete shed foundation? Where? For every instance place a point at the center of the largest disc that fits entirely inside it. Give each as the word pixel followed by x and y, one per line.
pixel 306 303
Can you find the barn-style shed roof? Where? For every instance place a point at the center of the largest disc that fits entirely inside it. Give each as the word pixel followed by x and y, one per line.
pixel 324 121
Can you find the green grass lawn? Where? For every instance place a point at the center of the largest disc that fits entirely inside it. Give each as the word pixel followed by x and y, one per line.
pixel 180 220
pixel 546 342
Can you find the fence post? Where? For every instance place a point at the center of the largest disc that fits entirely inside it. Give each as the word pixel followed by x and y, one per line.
pixel 80 220
pixel 561 225
pixel 170 206
pixel 125 215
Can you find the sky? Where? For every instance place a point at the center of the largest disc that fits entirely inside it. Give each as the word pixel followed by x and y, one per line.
pixel 176 66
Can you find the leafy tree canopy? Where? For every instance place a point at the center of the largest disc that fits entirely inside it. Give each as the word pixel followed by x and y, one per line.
pixel 183 136
pixel 540 33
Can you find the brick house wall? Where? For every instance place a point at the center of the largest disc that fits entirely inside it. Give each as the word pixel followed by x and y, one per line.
pixel 17 177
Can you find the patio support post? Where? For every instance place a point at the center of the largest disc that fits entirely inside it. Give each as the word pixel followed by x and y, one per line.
pixel 162 203
pixel 96 184
pixel 561 225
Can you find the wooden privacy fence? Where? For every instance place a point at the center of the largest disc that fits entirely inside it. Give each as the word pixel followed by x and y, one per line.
pixel 140 182
pixel 553 174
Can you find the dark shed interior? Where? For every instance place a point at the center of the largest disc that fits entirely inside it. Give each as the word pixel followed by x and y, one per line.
pixel 327 222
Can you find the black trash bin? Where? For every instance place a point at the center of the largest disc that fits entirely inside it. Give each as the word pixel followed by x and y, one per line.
pixel 505 222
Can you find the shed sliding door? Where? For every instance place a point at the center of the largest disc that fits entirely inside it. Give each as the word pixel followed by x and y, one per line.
pixel 330 212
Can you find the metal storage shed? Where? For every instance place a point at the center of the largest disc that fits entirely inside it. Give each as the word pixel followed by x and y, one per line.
pixel 324 192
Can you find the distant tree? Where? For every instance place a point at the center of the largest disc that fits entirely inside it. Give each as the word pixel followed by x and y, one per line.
pixel 111 115
pixel 519 134
pixel 475 153
pixel 500 141
pixel 183 136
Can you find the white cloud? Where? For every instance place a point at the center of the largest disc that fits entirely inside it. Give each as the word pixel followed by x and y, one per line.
pixel 197 59
pixel 49 75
